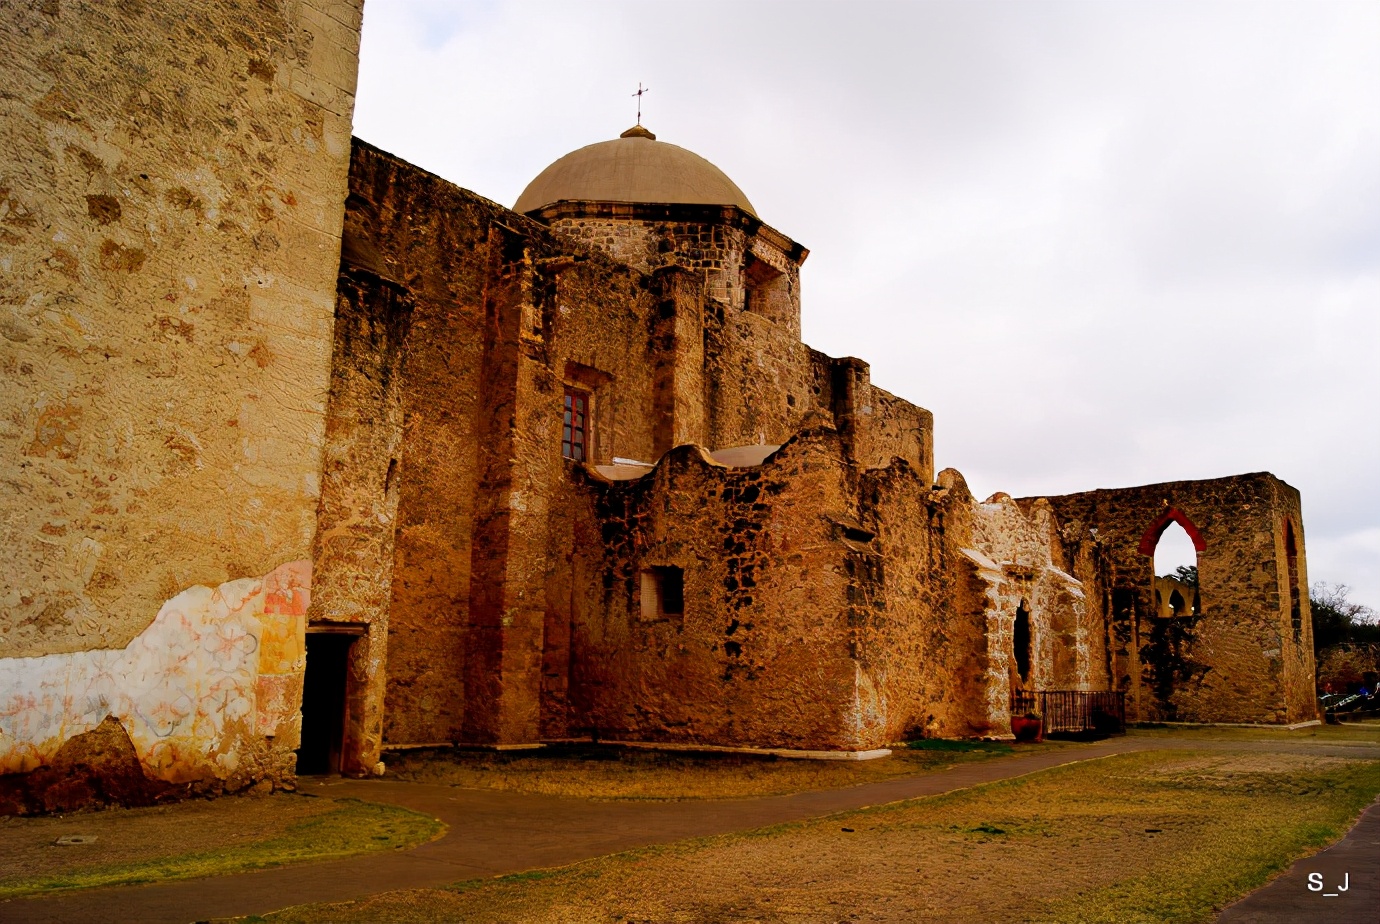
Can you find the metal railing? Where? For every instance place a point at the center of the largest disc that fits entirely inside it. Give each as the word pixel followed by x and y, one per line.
pixel 1074 711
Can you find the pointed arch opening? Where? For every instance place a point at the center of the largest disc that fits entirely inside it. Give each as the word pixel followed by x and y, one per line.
pixel 1173 543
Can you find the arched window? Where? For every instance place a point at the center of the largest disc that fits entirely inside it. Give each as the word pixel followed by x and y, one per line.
pixel 1173 542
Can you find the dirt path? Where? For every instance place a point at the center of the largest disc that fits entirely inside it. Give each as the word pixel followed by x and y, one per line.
pixel 493 833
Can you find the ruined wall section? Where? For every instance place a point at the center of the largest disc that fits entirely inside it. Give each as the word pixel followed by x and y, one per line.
pixel 172 178
pixel 1239 659
pixel 954 573
pixel 1066 638
pixel 759 653
pixel 917 607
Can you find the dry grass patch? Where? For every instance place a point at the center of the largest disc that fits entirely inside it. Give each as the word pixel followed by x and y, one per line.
pixel 1358 733
pixel 1125 839
pixel 611 772
pixel 199 838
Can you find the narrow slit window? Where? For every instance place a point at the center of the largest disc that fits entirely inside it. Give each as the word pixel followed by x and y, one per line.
pixel 1291 553
pixel 575 430
pixel 1023 642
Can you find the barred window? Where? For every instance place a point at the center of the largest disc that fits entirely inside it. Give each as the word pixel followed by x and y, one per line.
pixel 575 433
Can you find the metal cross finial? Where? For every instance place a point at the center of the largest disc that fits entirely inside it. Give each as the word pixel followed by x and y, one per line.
pixel 638 94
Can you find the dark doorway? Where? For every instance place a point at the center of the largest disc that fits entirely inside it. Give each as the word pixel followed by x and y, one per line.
pixel 323 702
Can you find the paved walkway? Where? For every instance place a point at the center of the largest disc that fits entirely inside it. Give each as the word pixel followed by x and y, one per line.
pixel 493 833
pixel 1345 890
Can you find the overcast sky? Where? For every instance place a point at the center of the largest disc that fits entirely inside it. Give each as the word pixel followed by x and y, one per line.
pixel 1106 244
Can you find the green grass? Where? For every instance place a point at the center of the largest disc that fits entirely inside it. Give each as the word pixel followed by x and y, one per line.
pixel 947 744
pixel 1276 818
pixel 355 827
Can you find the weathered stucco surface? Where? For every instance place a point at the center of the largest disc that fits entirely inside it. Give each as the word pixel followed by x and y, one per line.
pixel 207 694
pixel 172 179
pixel 172 185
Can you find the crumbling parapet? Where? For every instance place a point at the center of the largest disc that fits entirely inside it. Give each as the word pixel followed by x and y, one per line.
pixel 715 609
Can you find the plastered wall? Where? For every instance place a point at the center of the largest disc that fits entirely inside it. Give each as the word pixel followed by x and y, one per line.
pixel 172 181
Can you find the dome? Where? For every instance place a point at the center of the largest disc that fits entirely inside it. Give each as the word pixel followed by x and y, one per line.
pixel 635 167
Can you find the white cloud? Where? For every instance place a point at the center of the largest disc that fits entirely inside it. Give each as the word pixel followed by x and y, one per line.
pixel 1107 244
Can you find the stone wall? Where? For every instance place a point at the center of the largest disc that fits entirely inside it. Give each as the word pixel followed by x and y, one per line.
pixel 825 606
pixel 504 316
pixel 172 180
pixel 357 516
pixel 1247 655
pixel 918 608
pixel 948 577
pixel 759 653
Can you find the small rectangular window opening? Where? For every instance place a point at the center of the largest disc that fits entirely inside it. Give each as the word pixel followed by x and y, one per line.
pixel 763 285
pixel 575 430
pixel 663 592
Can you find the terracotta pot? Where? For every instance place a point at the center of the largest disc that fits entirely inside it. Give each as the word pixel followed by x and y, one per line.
pixel 1027 729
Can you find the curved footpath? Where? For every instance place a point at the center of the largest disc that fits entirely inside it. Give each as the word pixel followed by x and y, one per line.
pixel 1294 898
pixel 493 833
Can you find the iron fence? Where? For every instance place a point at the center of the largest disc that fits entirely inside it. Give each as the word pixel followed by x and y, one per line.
pixel 1074 711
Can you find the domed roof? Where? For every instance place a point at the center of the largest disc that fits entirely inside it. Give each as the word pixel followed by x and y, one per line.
pixel 635 167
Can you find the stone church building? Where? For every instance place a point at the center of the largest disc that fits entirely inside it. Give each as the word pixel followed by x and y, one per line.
pixel 309 453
